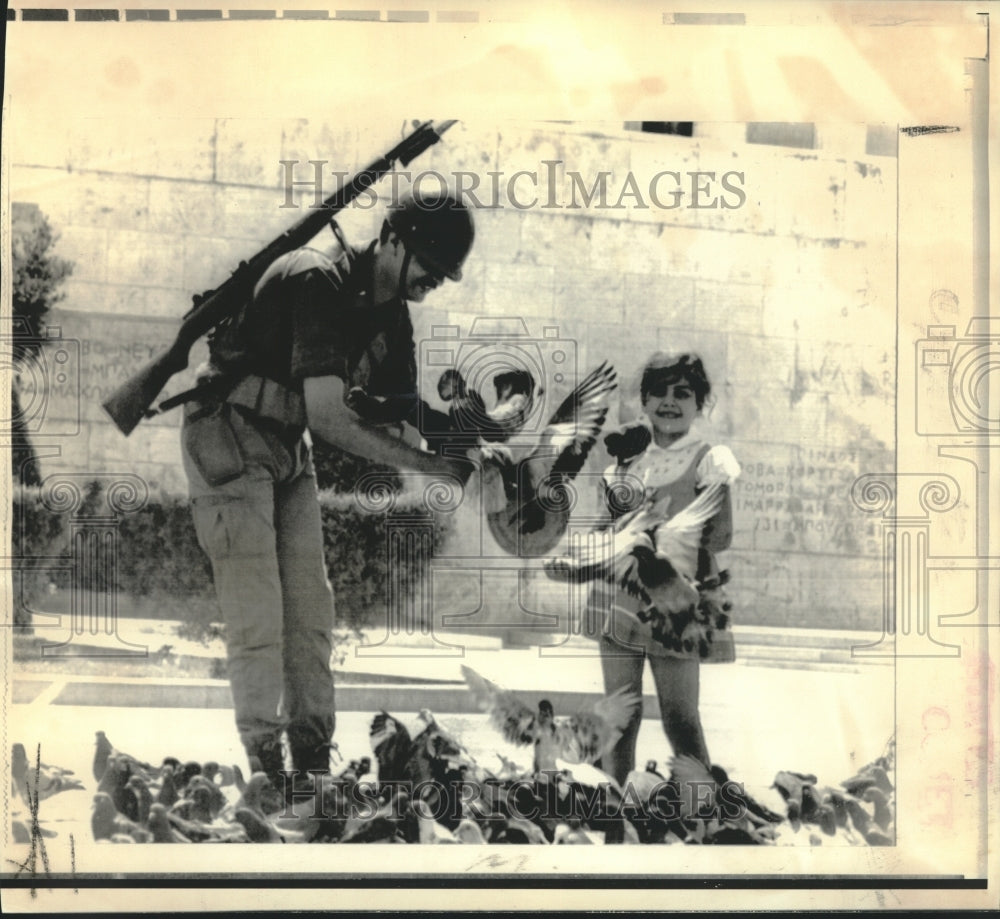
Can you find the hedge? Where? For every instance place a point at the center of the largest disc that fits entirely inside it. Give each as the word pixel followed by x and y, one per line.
pixel 159 557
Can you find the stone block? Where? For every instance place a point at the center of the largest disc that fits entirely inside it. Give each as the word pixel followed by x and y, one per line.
pixel 208 261
pixel 248 152
pixel 565 169
pixel 728 307
pixel 812 198
pixel 146 259
pixel 469 147
pixel 179 207
pixel 529 291
pixel 87 248
pixel 547 238
pixel 592 296
pixel 45 187
pixel 658 301
pixel 304 139
pixel 164 147
pixel 117 202
pixel 462 296
pixel 514 237
pixel 755 360
pixel 96 297
pixel 255 213
pixel 866 422
pixel 870 212
pixel 654 192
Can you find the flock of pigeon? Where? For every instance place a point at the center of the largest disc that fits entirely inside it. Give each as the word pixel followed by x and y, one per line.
pixel 425 787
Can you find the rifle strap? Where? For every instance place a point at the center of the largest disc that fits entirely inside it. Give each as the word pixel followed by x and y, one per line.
pixel 215 387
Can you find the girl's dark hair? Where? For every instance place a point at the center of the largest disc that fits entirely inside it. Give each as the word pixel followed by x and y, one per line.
pixel 671 368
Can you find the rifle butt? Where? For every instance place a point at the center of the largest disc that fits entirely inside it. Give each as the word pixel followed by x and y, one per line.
pixel 129 404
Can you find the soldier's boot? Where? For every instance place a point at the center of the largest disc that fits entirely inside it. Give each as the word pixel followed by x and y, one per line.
pixel 310 756
pixel 267 755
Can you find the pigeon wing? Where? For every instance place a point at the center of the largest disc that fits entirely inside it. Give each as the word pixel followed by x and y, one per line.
pixel 509 714
pixel 589 734
pixel 679 538
pixel 606 554
pixel 391 744
pixel 573 429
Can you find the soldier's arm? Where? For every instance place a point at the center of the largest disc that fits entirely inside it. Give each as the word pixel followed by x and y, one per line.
pixel 331 421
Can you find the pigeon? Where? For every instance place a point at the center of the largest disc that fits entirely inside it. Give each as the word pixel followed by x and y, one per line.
pixel 516 392
pixel 394 750
pixel 697 786
pixel 105 821
pixel 168 794
pixel 572 833
pixel 469 833
pixel 195 805
pixel 518 831
pixel 586 774
pixel 650 558
pixel 871 776
pixel 383 825
pixel 537 510
pixel 431 832
pixel 883 810
pixel 257 827
pixel 22 835
pixel 580 738
pixel 509 769
pixel 439 744
pixel 40 781
pixel 138 799
pixel 628 441
pixel 261 796
pixel 651 805
pixel 105 750
pixel 186 773
pixel 116 776
pixel 214 797
pixel 161 827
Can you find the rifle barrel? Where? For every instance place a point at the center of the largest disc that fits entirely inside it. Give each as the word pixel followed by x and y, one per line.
pixel 129 403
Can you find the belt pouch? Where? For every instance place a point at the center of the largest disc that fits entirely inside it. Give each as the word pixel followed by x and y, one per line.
pixel 211 443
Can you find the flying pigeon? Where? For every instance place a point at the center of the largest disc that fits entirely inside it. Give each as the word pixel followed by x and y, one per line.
pixel 650 558
pixel 537 511
pixel 516 391
pixel 580 738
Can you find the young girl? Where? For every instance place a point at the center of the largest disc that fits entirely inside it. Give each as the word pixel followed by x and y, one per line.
pixel 657 458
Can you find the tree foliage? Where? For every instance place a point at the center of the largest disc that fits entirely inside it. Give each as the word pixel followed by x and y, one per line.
pixel 36 277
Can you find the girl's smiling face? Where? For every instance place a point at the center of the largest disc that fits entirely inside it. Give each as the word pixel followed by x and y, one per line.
pixel 671 407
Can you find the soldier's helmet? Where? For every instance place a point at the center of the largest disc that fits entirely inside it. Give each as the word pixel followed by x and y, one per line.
pixel 436 228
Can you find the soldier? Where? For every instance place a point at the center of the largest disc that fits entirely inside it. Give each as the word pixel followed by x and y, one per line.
pixel 318 336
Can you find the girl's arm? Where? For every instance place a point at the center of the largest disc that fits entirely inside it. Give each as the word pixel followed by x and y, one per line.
pixel 719 465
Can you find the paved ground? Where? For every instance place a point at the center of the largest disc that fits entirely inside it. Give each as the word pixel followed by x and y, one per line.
pixel 795 699
pixel 758 720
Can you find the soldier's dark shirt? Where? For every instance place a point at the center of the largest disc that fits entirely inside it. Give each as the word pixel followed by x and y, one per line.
pixel 314 316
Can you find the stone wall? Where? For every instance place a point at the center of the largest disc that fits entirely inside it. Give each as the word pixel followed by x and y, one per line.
pixel 790 297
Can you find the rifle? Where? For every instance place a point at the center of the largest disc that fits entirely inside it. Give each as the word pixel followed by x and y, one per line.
pixel 131 402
